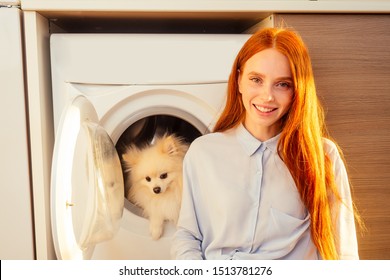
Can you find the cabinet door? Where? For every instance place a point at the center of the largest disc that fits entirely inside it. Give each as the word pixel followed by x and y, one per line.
pixel 16 235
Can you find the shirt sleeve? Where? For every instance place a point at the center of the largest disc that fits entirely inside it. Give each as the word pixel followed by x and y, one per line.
pixel 346 238
pixel 187 239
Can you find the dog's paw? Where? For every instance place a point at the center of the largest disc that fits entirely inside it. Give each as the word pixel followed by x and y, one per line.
pixel 156 232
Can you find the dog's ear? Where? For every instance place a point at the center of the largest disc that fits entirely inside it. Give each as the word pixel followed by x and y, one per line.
pixel 131 157
pixel 170 145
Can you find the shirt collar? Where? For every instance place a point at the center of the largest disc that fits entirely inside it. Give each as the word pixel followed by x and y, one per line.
pixel 251 144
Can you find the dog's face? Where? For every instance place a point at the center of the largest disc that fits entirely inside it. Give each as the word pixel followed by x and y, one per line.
pixel 157 179
pixel 156 167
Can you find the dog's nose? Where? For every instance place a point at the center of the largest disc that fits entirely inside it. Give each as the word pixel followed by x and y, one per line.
pixel 157 190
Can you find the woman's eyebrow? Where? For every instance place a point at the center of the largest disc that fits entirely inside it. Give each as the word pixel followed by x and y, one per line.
pixel 284 78
pixel 257 74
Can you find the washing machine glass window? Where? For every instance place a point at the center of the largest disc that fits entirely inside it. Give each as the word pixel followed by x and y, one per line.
pixel 87 183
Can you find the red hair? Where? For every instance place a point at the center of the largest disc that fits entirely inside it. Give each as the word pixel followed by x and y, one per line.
pixel 303 128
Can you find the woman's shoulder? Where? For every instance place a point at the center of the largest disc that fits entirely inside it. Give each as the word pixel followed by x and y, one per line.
pixel 329 144
pixel 332 150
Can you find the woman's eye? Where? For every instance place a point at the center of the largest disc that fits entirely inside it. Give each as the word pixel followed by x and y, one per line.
pixel 147 178
pixel 164 176
pixel 283 85
pixel 255 80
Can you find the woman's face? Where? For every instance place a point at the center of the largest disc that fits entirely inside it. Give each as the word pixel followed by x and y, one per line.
pixel 266 87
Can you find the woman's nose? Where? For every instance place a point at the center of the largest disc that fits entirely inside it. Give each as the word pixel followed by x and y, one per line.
pixel 266 93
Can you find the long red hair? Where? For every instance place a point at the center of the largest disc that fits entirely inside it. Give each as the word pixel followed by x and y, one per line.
pixel 303 128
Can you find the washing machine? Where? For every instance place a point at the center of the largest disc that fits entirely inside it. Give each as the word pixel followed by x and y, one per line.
pixel 111 91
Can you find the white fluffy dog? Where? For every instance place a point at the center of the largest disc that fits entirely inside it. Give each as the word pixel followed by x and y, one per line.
pixel 155 180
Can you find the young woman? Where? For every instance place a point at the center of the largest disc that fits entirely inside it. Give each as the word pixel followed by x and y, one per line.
pixel 268 183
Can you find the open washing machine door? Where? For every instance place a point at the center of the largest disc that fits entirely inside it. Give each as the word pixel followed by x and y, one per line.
pixel 87 188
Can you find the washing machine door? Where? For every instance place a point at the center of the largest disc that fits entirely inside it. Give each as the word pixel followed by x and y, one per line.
pixel 87 189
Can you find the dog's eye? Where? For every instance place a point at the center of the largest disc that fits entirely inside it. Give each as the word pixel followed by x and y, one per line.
pixel 148 178
pixel 164 176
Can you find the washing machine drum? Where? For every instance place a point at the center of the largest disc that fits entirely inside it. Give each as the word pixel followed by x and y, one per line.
pixel 87 183
pixel 146 130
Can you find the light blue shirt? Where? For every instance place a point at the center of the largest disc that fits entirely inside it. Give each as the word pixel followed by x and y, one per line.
pixel 240 202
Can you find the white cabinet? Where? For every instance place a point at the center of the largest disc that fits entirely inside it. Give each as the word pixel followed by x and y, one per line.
pixel 16 234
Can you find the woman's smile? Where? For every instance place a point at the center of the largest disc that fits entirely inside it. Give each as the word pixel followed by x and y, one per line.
pixel 264 109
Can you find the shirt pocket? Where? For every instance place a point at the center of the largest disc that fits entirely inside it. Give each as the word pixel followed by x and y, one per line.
pixel 284 231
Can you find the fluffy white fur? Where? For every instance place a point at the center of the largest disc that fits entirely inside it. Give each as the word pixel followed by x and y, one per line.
pixel 155 180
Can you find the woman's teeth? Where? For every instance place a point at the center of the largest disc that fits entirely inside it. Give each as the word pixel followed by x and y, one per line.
pixel 263 109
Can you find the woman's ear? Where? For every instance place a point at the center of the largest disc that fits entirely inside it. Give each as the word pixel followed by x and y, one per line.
pixel 239 80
